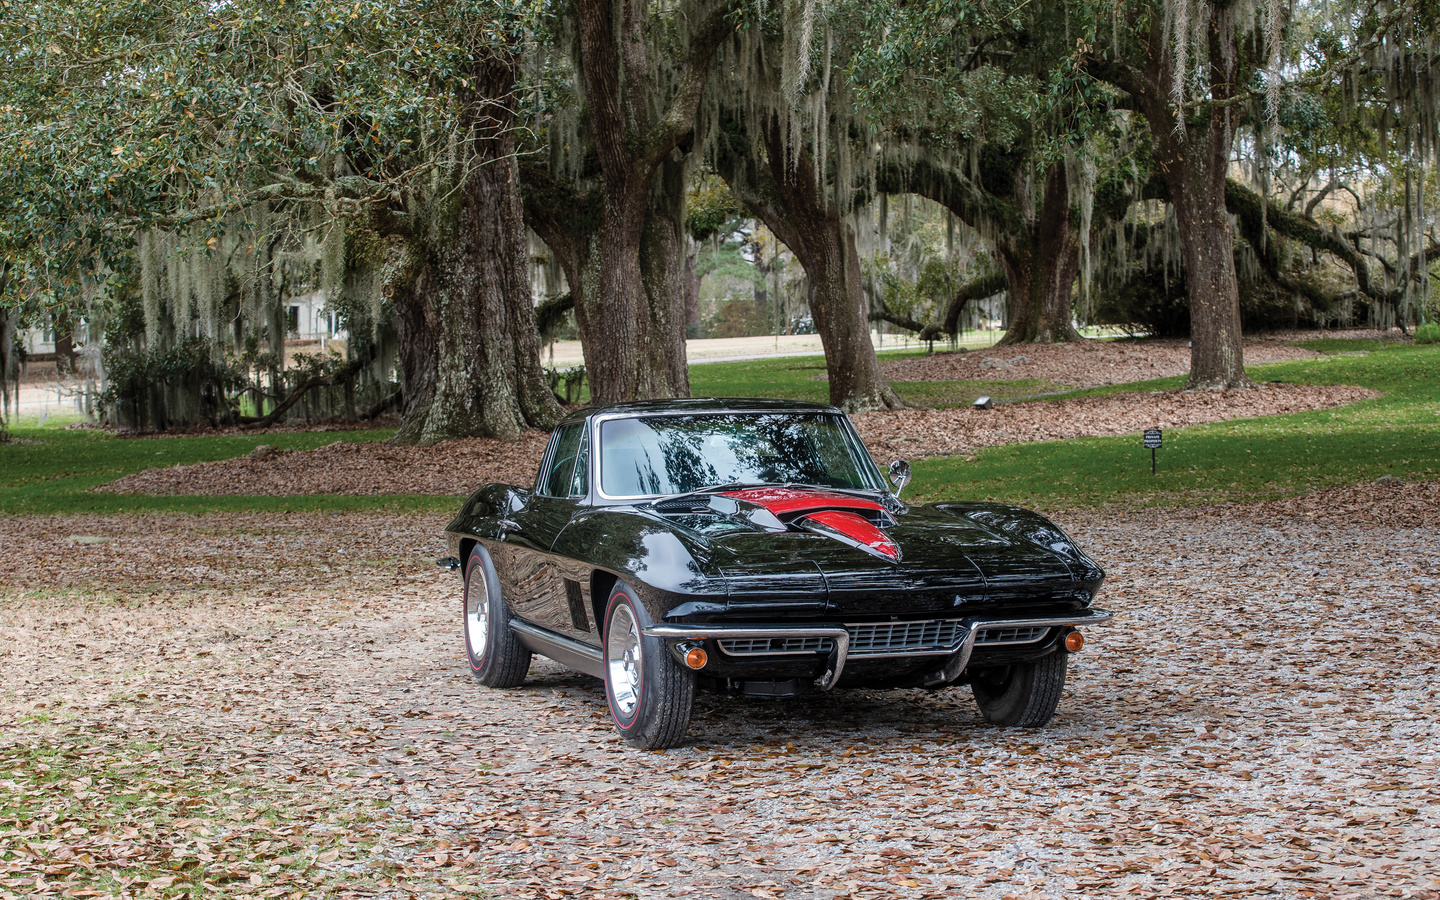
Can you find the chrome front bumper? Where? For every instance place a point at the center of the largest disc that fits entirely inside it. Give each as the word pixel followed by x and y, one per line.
pixel 966 631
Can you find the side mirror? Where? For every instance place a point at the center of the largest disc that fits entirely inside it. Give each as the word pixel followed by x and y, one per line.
pixel 899 475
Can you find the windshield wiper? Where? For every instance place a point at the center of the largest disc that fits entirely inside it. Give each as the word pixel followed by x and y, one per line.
pixel 713 489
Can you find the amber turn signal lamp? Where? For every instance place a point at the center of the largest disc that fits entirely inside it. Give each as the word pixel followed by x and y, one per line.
pixel 695 658
pixel 1074 642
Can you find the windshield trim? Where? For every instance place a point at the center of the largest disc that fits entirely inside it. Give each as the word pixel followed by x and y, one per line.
pixel 866 463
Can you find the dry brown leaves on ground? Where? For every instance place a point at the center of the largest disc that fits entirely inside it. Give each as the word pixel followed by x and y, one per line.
pixel 1396 504
pixel 284 702
pixel 458 467
pixel 1096 363
pixel 933 432
pixel 452 467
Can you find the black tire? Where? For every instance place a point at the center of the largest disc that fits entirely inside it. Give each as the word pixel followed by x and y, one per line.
pixel 1023 694
pixel 649 693
pixel 496 656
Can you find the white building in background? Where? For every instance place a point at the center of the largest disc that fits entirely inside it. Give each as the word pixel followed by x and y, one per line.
pixel 38 341
pixel 306 319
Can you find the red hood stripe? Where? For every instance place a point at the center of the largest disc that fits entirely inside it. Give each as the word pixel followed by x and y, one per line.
pixel 781 500
pixel 865 535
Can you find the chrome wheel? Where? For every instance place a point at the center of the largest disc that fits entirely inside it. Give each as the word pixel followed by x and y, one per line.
pixel 477 613
pixel 496 656
pixel 624 667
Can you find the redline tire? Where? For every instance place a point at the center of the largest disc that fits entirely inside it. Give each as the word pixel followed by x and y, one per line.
pixel 649 694
pixel 496 657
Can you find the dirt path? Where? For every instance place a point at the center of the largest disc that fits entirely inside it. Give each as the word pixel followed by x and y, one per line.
pixel 1259 720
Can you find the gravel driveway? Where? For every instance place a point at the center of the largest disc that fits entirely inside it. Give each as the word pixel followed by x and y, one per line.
pixel 1258 720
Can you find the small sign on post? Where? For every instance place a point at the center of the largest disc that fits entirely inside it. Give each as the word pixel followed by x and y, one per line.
pixel 1152 442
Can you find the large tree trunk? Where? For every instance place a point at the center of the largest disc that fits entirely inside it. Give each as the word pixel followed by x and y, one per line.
pixel 632 318
pixel 471 356
pixel 663 267
pixel 1040 268
pixel 1217 354
pixel 66 356
pixel 1193 155
pixel 1039 255
pixel 811 225
pixel 7 341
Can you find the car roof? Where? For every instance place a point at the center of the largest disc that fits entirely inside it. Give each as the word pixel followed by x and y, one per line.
pixel 703 405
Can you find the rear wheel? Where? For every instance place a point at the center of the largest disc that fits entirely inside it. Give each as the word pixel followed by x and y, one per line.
pixel 649 694
pixel 1023 694
pixel 496 656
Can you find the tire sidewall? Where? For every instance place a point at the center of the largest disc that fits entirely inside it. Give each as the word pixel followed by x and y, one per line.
pixel 622 596
pixel 1001 704
pixel 479 564
pixel 1029 695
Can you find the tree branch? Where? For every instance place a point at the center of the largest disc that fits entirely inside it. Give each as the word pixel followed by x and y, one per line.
pixel 988 286
pixel 679 117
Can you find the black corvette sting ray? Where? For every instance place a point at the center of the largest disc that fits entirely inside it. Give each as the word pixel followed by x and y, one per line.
pixel 753 547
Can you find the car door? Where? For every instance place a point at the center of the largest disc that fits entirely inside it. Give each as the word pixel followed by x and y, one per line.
pixel 538 591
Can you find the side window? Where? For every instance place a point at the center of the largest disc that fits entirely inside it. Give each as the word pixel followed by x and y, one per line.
pixel 556 481
pixel 580 484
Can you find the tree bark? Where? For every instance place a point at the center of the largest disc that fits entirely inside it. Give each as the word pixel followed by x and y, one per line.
pixel 786 196
pixel 470 356
pixel 663 266
pixel 632 317
pixel 1193 155
pixel 1040 267
pixel 66 356
pixel 7 349
pixel 1040 258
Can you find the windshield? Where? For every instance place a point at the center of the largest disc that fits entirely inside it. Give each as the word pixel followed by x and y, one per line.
pixel 676 454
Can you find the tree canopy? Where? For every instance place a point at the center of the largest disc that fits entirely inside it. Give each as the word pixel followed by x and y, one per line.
pixel 172 172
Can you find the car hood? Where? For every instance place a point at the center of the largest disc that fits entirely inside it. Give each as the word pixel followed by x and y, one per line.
pixel 950 557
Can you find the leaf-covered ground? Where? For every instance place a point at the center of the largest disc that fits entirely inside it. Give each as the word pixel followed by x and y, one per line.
pixel 458 467
pixel 1095 363
pixel 274 706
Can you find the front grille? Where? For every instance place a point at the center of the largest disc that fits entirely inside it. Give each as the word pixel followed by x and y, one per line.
pixel 895 638
pixel 1027 634
pixel 773 646
pixel 888 639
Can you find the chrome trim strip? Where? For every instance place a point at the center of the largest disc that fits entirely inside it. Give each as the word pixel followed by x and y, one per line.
pixel 566 651
pixel 958 663
pixel 840 649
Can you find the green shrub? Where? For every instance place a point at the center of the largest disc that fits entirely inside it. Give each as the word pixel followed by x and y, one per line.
pixel 1428 334
pixel 179 387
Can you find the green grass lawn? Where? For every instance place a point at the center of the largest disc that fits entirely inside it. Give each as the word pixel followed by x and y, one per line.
pixel 1396 434
pixel 801 378
pixel 50 470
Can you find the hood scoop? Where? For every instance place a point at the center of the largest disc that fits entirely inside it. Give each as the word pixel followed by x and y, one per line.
pixel 853 521
pixel 851 530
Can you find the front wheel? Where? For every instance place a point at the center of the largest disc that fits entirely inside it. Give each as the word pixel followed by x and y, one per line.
pixel 649 694
pixel 1024 694
pixel 496 656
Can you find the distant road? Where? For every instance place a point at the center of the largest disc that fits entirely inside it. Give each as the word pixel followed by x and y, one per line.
pixel 49 399
pixel 564 354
